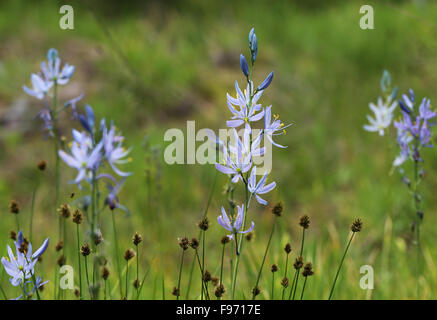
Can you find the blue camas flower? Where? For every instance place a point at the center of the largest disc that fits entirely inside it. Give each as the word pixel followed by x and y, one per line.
pixel 243 108
pixel 234 225
pixel 83 158
pixel 50 73
pixel 383 116
pixel 114 151
pixel 260 187
pixel 274 128
pixel 414 126
pixel 21 267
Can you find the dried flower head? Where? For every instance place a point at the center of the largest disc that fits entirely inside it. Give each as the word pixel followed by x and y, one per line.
pixel 357 225
pixel 298 263
pixel 129 254
pixel 184 243
pixel 42 165
pixel 61 260
pixel 277 209
pixel 274 268
pixel 284 282
pixel 287 248
pixel 136 283
pixel 225 239
pixel 203 224
pixel 64 211
pixel 105 273
pixel 194 243
pixel 256 291
pixel 304 221
pixel 137 239
pixel 77 292
pixel 220 291
pixel 59 246
pixel 13 235
pixel 308 270
pixel 85 250
pixel 77 217
pixel 249 236
pixel 206 276
pixel 14 207
pixel 98 237
pixel 175 292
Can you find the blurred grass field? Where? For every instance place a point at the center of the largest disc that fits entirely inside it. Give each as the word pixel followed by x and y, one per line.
pixel 153 66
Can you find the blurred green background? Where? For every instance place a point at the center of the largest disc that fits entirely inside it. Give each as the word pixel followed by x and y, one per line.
pixel 152 66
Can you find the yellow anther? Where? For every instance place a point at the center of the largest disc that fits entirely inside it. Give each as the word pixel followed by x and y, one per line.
pixel 276 116
pixel 70 144
pixel 284 131
pixel 281 125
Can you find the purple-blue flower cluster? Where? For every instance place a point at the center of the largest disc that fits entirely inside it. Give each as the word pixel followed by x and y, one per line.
pixel 21 266
pixel 413 129
pixel 238 154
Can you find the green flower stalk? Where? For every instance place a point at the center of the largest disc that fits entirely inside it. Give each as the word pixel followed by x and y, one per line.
pixel 356 227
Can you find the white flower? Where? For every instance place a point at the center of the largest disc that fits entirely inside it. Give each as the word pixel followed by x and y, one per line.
pixel 383 116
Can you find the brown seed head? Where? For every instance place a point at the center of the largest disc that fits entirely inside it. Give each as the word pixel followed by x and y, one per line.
pixel 308 270
pixel 284 282
pixel 175 291
pixel 304 221
pixel 249 236
pixel 194 243
pixel 61 260
pixel 256 291
pixel 215 281
pixel 105 273
pixel 357 225
pixel 85 250
pixel 137 239
pixel 136 283
pixel 77 216
pixel 298 263
pixel 13 235
pixel 274 268
pixel 59 245
pixel 220 291
pixel 277 209
pixel 64 211
pixel 77 292
pixel 203 224
pixel 42 165
pixel 184 243
pixel 129 254
pixel 287 248
pixel 14 207
pixel 225 239
pixel 206 276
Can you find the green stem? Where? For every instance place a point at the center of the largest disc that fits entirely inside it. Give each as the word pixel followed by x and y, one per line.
pixel 180 275
pixel 201 277
pixel 116 252
pixel 127 278
pixel 273 286
pixel 240 244
pixel 201 233
pixel 341 264
pixel 138 272
pixel 78 260
pixel 303 289
pixel 264 258
pixel 285 275
pixel 87 278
